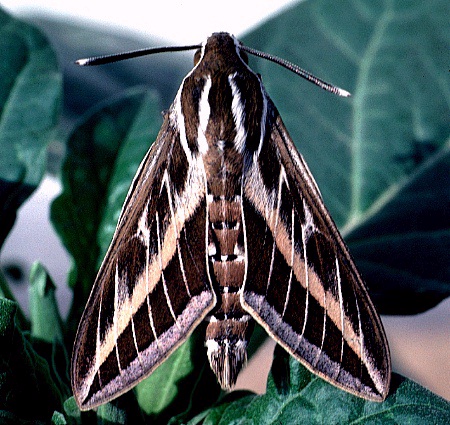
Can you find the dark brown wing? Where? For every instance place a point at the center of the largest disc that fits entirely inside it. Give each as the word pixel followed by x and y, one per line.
pixel 301 283
pixel 152 288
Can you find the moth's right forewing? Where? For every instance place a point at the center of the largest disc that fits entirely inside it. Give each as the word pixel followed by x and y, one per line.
pixel 302 284
pixel 153 287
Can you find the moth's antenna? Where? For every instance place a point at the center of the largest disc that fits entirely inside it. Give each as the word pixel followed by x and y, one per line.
pixel 297 70
pixel 100 60
pixel 104 59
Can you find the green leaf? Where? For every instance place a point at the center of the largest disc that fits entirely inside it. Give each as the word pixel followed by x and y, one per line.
pixel 46 323
pixel 374 153
pixel 58 419
pixel 110 414
pixel 25 378
pixel 72 411
pixel 94 157
pixel 295 396
pixel 30 97
pixel 47 330
pixel 154 397
pixel 404 249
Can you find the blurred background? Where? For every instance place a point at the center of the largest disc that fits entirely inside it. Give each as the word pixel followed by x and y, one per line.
pixel 420 344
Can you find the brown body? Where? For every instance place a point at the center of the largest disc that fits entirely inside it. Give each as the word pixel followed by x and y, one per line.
pixel 225 135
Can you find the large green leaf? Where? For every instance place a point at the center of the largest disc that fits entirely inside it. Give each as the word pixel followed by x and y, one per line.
pixel 404 248
pixel 380 157
pixel 295 396
pixel 30 93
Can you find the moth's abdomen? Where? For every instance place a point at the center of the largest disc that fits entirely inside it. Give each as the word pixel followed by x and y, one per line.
pixel 229 326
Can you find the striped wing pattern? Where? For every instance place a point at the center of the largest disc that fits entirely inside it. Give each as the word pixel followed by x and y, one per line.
pixel 153 288
pixel 302 284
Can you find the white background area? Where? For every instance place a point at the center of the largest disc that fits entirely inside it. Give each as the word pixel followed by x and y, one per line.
pixel 182 22
pixel 420 344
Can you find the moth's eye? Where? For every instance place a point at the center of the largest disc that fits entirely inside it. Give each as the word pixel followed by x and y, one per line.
pixel 243 56
pixel 197 56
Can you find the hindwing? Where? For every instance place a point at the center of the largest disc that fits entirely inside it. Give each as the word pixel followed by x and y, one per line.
pixel 302 285
pixel 153 287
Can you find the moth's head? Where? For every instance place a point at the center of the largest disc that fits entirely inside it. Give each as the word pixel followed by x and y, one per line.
pixel 221 46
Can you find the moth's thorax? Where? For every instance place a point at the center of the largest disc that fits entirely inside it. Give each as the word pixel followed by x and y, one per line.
pixel 221 104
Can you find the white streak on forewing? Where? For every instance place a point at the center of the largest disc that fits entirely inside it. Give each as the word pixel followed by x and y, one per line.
pixel 150 318
pixel 177 114
pixel 118 303
pixel 308 226
pixel 179 119
pixel 306 277
pixel 177 231
pixel 291 264
pixel 146 286
pixel 263 119
pixel 143 232
pixel 281 180
pixel 204 111
pixel 238 110
pixel 362 353
pixel 136 346
pixel 158 237
pixel 244 232
pixel 163 278
pixel 341 305
pixel 98 358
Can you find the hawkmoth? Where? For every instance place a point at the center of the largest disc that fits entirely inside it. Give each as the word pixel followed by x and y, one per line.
pixel 224 222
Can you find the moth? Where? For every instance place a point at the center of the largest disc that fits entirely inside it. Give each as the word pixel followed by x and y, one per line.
pixel 224 222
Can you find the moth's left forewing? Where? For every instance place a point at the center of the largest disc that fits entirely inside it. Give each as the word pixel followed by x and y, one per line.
pixel 153 287
pixel 301 283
